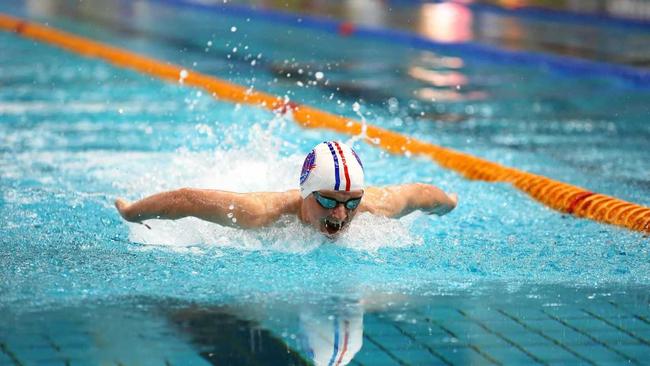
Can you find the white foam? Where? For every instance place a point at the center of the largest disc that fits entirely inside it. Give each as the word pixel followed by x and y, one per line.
pixel 370 233
pixel 366 233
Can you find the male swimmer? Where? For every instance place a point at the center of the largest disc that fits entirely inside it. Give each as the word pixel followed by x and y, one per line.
pixel 331 193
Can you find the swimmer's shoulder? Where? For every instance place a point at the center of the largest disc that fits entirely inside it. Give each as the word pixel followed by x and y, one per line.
pixel 378 201
pixel 287 202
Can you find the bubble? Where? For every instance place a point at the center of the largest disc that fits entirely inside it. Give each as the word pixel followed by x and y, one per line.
pixel 233 29
pixel 319 75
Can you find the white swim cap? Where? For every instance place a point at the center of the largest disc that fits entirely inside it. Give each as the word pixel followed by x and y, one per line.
pixel 331 165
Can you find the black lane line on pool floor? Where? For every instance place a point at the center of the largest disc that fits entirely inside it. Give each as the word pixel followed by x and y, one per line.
pixel 547 337
pixel 424 345
pixel 617 327
pixel 500 336
pixel 594 339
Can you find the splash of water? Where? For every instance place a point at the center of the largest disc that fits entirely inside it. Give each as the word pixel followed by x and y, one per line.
pixel 256 166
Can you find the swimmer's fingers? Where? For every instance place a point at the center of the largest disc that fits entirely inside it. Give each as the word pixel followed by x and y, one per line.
pixel 123 208
pixel 454 198
pixel 444 204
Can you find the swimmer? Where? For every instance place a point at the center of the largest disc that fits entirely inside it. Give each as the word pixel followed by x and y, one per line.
pixel 331 193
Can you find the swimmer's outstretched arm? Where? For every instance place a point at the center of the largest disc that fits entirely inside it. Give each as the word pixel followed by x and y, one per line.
pixel 243 210
pixel 400 200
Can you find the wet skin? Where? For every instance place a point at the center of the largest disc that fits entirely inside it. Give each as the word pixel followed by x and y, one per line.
pixel 330 222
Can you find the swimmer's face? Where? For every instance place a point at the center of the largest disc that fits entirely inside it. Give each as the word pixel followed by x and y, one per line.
pixel 330 221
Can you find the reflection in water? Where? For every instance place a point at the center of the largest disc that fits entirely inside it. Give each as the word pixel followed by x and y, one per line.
pixel 324 333
pixel 224 337
pixel 439 61
pixel 438 95
pixel 332 338
pixel 233 335
pixel 366 12
pixel 446 22
pixel 437 78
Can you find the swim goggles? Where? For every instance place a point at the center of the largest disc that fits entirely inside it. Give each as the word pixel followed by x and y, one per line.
pixel 330 203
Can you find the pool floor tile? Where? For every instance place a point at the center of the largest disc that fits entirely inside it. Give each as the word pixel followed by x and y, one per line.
pixel 5 359
pixel 507 354
pixel 598 353
pixel 419 356
pixel 553 354
pixel 460 355
pixel 372 358
pixel 394 342
pixel 638 351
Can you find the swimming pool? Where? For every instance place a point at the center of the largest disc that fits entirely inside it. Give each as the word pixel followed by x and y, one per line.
pixel 501 280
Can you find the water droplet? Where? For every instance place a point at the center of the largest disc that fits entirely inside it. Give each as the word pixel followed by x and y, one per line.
pixel 183 75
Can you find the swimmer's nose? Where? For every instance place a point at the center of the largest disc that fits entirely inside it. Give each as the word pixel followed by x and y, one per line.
pixel 339 212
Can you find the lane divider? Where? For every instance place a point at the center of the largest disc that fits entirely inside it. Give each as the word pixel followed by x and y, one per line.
pixel 554 194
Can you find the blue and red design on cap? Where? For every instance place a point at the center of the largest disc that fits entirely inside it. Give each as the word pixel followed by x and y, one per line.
pixel 307 166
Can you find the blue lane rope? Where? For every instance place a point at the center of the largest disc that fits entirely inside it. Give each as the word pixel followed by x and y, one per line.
pixel 571 65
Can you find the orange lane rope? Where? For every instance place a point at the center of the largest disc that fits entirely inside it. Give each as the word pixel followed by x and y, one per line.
pixel 557 195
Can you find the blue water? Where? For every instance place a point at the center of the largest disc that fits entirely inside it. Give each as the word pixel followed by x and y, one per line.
pixel 78 283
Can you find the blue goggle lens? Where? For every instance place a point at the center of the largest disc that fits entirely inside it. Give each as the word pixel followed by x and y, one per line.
pixel 330 203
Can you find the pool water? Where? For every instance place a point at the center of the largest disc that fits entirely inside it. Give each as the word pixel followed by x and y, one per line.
pixel 500 280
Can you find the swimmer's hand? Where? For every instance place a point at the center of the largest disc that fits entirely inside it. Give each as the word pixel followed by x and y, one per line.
pixel 446 203
pixel 123 208
pixel 454 198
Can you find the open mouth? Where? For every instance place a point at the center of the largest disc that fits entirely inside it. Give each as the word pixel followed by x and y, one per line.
pixel 333 227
